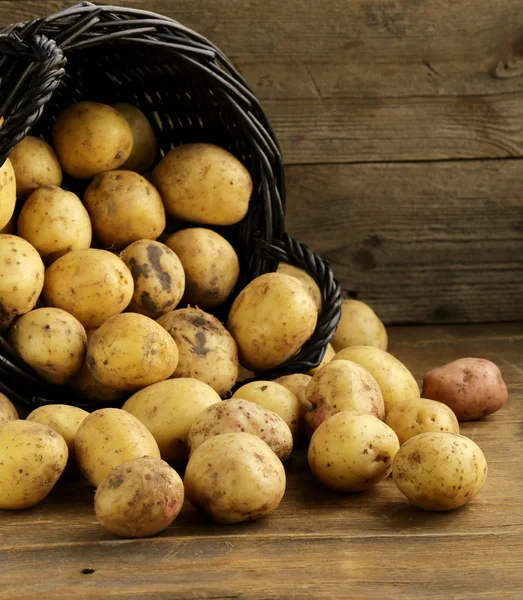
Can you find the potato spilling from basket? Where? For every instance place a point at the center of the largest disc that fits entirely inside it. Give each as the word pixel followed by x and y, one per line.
pixel 111 296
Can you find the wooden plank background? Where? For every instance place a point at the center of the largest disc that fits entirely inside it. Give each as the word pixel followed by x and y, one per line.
pixel 401 123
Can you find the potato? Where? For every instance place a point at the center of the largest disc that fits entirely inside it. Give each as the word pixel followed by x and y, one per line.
pixel 159 278
pixel 201 183
pixel 124 208
pixel 131 351
pixel 235 477
pixel 395 380
pixel 420 415
pixel 91 138
pixel 275 397
pixel 305 279
pixel 472 387
pixel 108 438
pixel 145 145
pixel 207 350
pixel 236 416
pixel 63 419
pixel 8 411
pixel 21 277
pixel 93 285
pixel 54 222
pixel 342 385
pixel 139 498
pixel 88 387
pixel 51 341
pixel 328 356
pixel 352 452
pixel 35 165
pixel 168 409
pixel 210 263
pixel 270 320
pixel 359 326
pixel 439 470
pixel 33 458
pixel 7 193
pixel 297 384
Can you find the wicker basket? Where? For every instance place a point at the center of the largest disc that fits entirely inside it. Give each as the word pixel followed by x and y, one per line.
pixel 190 93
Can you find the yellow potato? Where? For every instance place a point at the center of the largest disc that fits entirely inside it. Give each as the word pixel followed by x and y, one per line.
pixel 131 351
pixel 21 277
pixel 275 397
pixel 395 380
pixel 159 278
pixel 124 207
pixel 207 350
pixel 210 263
pixel 201 183
pixel 420 415
pixel 55 222
pixel 139 498
pixel 359 326
pixel 168 409
pixel 305 279
pixel 145 145
pixel 235 477
pixel 93 285
pixel 91 138
pixel 35 165
pixel 108 438
pixel 270 320
pixel 51 341
pixel 7 193
pixel 328 356
pixel 89 388
pixel 33 458
pixel 297 384
pixel 352 452
pixel 439 471
pixel 7 410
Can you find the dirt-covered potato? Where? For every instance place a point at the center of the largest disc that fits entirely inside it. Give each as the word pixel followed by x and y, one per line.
pixel 131 351
pixel 359 326
pixel 275 397
pixel 139 498
pixel 63 419
pixel 270 320
pixel 202 183
pixel 51 341
pixel 91 138
pixel 21 277
pixel 145 145
pixel 472 387
pixel 124 207
pixel 7 193
pixel 159 278
pixel 306 280
pixel 210 263
pixel 395 380
pixel 207 350
pixel 235 477
pixel 168 409
pixel 108 438
pixel 8 411
pixel 54 222
pixel 352 452
pixel 439 470
pixel 297 384
pixel 36 165
pixel 93 285
pixel 328 356
pixel 420 415
pixel 240 416
pixel 33 458
pixel 342 385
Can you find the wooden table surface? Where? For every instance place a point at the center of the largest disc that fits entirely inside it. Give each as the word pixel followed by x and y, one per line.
pixel 318 544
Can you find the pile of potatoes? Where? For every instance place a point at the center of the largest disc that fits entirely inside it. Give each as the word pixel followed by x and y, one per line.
pixel 98 295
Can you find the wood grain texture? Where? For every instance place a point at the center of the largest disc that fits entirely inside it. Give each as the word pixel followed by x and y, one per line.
pixel 318 544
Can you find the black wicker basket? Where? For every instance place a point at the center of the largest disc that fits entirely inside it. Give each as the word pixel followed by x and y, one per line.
pixel 190 93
